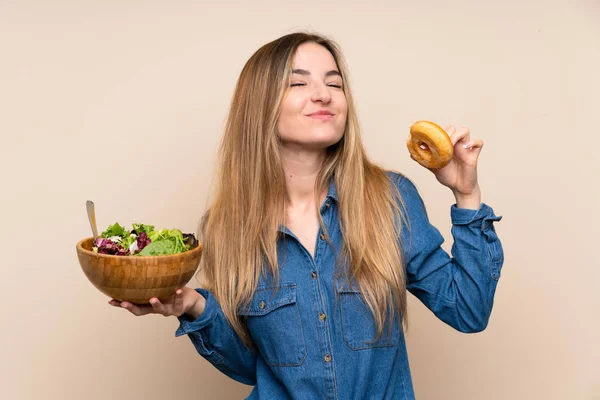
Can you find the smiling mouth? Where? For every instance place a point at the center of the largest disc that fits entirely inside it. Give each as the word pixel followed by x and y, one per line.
pixel 322 117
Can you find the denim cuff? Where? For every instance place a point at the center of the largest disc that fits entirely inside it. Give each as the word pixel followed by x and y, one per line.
pixel 484 217
pixel 205 319
pixel 482 220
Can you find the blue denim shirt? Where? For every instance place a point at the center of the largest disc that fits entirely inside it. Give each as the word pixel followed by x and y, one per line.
pixel 313 347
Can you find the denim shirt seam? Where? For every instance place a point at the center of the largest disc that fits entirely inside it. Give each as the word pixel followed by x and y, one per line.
pixel 495 268
pixel 439 296
pixel 215 358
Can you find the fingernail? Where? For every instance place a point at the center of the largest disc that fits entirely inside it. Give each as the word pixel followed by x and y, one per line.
pixel 467 145
pixel 153 302
pixel 124 305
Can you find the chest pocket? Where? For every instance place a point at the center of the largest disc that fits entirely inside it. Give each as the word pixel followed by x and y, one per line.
pixel 274 324
pixel 358 325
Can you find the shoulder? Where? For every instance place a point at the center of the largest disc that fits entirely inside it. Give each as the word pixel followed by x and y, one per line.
pixel 411 205
pixel 406 187
pixel 407 195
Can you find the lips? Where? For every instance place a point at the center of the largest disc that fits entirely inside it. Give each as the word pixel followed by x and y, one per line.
pixel 321 113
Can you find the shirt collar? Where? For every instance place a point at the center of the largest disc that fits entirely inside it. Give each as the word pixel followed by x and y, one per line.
pixel 332 192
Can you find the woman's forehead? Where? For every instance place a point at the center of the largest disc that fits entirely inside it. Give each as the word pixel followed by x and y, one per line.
pixel 313 57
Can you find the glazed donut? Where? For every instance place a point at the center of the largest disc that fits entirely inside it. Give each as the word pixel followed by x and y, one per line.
pixel 430 145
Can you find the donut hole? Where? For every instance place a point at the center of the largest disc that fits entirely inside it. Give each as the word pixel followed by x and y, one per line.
pixel 424 146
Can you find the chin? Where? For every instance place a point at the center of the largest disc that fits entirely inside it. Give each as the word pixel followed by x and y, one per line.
pixel 324 141
pixel 327 137
pixel 314 140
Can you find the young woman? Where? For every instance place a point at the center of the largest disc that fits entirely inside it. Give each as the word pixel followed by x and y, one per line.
pixel 310 247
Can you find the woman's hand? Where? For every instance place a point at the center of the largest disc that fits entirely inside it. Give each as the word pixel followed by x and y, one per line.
pixel 460 175
pixel 183 301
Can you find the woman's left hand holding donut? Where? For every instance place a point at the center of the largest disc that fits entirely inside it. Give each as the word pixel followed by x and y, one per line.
pixel 460 175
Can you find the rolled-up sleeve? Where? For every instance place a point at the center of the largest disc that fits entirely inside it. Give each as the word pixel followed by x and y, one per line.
pixel 216 341
pixel 458 288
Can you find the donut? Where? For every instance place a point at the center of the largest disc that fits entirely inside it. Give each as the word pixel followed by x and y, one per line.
pixel 429 145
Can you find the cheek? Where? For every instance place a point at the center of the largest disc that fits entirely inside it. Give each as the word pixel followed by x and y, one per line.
pixel 291 111
pixel 344 111
pixel 344 105
pixel 285 121
pixel 292 104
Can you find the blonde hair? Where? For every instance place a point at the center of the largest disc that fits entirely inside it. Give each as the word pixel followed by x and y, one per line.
pixel 240 229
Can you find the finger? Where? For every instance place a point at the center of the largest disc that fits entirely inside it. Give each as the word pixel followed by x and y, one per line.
pixel 157 306
pixel 114 303
pixel 178 299
pixel 474 144
pixel 135 309
pixel 462 134
pixel 477 143
pixel 451 130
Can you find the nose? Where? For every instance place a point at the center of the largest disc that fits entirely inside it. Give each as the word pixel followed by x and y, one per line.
pixel 321 93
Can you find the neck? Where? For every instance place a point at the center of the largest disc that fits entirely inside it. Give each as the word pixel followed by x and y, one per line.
pixel 301 169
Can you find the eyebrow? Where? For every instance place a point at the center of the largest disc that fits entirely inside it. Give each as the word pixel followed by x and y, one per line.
pixel 305 72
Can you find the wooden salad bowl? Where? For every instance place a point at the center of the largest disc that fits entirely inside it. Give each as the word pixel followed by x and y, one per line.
pixel 137 278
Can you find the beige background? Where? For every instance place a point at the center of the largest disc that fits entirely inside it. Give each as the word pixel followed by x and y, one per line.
pixel 123 102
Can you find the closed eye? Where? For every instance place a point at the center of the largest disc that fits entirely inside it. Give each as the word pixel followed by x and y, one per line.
pixel 304 84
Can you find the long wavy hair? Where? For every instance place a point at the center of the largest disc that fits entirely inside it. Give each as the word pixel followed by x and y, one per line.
pixel 239 231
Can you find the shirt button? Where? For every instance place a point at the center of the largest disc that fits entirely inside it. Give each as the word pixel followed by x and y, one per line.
pixel 313 274
pixel 262 305
pixel 327 204
pixel 322 316
pixel 322 236
pixel 327 358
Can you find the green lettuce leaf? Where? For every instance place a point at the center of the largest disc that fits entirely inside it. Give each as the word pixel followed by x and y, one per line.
pixel 159 234
pixel 139 228
pixel 114 230
pixel 160 247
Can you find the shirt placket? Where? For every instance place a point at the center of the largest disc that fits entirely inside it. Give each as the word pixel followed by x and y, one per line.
pixel 319 303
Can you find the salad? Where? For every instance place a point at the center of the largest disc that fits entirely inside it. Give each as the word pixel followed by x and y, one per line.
pixel 143 240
